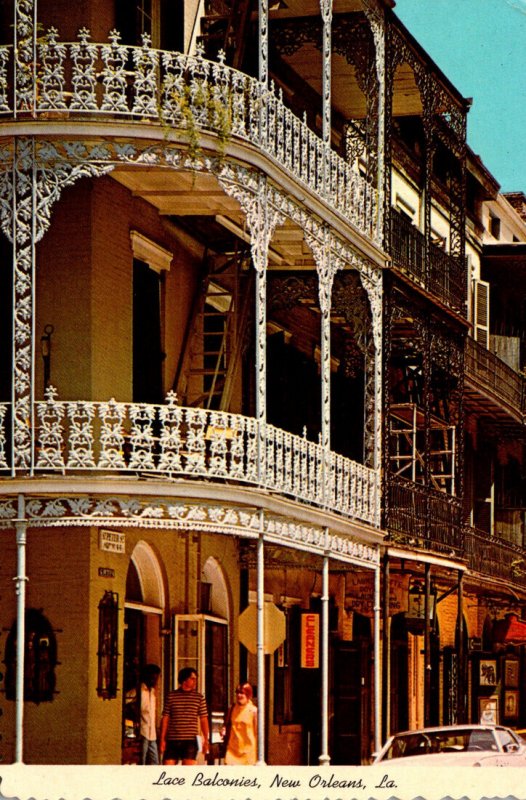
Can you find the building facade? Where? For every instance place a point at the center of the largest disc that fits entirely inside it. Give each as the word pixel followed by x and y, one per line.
pixel 239 415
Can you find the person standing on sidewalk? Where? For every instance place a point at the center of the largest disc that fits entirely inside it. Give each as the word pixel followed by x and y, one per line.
pixel 148 714
pixel 185 713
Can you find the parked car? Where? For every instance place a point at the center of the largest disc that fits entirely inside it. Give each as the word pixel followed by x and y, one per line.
pixel 459 745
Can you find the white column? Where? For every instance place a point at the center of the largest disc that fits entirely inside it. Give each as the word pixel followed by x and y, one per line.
pixel 261 648
pixel 377 674
pixel 20 582
pixel 324 757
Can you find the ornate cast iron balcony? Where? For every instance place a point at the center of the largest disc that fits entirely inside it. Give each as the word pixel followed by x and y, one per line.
pixel 445 278
pixel 84 80
pixel 488 372
pixel 167 441
pixel 424 518
pixel 495 557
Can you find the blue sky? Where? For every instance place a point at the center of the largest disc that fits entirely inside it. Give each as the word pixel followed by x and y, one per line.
pixel 481 46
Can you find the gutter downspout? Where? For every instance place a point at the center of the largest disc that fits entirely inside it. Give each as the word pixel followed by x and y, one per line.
pixel 20 583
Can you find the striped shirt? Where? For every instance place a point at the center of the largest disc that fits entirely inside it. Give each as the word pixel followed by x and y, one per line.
pixel 183 710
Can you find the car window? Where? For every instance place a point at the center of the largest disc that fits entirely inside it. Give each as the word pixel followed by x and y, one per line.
pixel 505 737
pixel 482 740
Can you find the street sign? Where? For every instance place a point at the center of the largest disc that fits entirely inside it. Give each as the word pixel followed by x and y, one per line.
pixel 275 627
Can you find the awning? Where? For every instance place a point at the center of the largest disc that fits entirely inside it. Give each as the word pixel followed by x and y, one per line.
pixel 510 630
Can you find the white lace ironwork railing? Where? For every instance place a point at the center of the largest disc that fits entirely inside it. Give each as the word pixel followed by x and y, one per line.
pixel 82 78
pixel 175 441
pixel 4 417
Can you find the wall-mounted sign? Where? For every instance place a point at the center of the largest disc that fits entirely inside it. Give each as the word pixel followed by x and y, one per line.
pixel 310 641
pixel 112 541
pixel 106 572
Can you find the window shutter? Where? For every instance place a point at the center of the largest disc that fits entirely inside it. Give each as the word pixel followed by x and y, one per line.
pixel 481 312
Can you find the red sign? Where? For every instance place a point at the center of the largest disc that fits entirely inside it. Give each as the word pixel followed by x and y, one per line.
pixel 310 641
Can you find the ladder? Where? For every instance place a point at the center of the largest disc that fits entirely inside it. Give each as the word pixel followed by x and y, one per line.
pixel 225 27
pixel 212 350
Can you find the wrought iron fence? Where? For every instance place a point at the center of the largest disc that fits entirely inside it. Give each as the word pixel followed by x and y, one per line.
pixel 490 372
pixel 446 278
pixel 424 517
pixel 81 79
pixel 75 436
pixel 488 555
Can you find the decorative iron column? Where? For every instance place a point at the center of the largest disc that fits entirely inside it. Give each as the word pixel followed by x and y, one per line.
pixel 25 56
pixel 326 14
pixel 23 236
pixel 386 649
pixel 327 264
pixel 376 16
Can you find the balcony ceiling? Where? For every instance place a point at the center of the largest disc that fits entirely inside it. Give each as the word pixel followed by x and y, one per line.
pixel 209 214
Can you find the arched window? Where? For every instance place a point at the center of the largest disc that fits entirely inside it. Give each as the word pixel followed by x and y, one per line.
pixel 40 659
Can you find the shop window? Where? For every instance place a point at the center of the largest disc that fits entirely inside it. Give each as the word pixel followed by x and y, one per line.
pixel 40 659
pixel 107 652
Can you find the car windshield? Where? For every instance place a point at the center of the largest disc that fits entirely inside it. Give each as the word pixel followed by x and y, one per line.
pixel 424 742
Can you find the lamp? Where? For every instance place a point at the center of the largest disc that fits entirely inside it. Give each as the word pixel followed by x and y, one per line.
pixel 416 604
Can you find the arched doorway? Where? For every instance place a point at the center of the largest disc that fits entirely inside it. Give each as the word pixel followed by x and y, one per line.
pixel 143 614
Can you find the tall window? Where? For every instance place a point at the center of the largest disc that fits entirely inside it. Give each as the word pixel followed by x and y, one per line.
pixel 162 20
pixel 147 351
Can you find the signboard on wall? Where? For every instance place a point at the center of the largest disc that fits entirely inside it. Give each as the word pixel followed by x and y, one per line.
pixel 112 541
pixel 310 641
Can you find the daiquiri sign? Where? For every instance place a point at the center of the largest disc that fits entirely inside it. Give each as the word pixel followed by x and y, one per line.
pixel 310 641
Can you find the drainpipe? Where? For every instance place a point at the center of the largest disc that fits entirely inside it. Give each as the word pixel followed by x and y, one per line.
pixel 20 583
pixel 261 647
pixel 324 757
pixel 377 666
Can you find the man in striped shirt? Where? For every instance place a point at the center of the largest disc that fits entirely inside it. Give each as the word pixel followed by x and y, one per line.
pixel 184 711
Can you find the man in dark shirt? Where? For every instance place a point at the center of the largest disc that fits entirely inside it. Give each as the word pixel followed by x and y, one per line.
pixel 184 711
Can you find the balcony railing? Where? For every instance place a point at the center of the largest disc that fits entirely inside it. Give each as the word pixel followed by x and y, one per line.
pixel 424 518
pixel 491 373
pixel 140 84
pixel 167 441
pixel 446 277
pixel 496 557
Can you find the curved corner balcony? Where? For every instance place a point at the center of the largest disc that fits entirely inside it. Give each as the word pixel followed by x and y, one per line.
pixel 87 81
pixel 170 441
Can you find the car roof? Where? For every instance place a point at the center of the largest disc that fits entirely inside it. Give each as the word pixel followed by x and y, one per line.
pixel 445 728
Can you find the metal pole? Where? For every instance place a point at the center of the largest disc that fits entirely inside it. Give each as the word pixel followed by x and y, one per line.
pixel 377 672
pixel 324 757
pixel 386 651
pixel 461 709
pixel 261 648
pixel 20 583
pixel 427 648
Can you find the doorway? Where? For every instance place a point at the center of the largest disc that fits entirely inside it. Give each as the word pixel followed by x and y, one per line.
pixel 351 733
